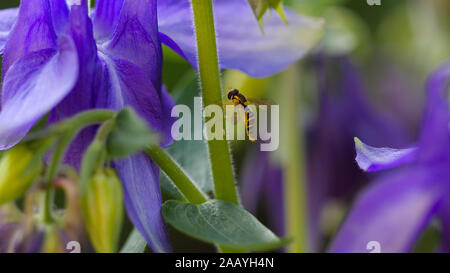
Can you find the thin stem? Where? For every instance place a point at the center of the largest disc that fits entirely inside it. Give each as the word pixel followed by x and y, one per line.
pixel 95 154
pixel 52 170
pixel 292 145
pixel 78 121
pixel 69 128
pixel 208 64
pixel 188 188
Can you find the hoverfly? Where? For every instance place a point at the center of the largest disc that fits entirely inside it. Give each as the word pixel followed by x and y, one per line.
pixel 238 99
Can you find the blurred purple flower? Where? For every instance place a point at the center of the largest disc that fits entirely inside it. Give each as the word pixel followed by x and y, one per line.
pixel 395 210
pixel 262 189
pixel 344 111
pixel 61 60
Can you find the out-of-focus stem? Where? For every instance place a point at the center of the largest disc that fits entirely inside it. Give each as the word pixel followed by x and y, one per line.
pixel 292 145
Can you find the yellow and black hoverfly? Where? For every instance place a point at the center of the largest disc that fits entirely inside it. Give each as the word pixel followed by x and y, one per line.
pixel 236 98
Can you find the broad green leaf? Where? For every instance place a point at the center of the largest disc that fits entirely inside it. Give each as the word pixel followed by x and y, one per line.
pixel 130 135
pixel 221 223
pixel 135 243
pixel 191 154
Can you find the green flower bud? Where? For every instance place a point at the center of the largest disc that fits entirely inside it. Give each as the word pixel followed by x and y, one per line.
pixel 102 205
pixel 17 172
pixel 53 242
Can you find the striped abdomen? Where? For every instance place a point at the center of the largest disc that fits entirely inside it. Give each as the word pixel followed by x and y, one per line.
pixel 250 124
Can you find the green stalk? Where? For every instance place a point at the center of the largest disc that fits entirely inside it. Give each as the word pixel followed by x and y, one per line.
pixel 193 194
pixel 69 129
pixel 208 64
pixel 95 154
pixel 292 149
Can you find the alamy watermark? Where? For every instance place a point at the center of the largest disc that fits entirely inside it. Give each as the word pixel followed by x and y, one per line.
pixel 374 2
pixel 256 122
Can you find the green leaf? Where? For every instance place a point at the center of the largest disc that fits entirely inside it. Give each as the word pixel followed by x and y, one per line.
pixel 135 243
pixel 130 135
pixel 221 223
pixel 260 8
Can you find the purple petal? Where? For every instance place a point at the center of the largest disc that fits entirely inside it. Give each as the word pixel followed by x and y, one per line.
pixel 264 187
pixel 253 182
pixel 136 38
pixel 140 180
pixel 435 138
pixel 82 96
pixel 32 32
pixel 241 43
pixel 60 15
pixel 33 86
pixel 392 212
pixel 128 85
pixel 7 19
pixel 372 159
pixel 105 17
pixel 167 103
pixel 444 214
pixel 7 231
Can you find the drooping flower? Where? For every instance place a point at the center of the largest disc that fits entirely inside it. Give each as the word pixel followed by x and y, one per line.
pixel 394 210
pixel 62 60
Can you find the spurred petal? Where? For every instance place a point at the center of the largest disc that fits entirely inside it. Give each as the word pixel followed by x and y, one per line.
pixel 241 44
pixel 7 19
pixel 33 86
pixel 372 159
pixel 105 17
pixel 136 38
pixel 32 32
pixel 126 84
pixel 435 138
pixel 142 196
pixel 392 212
pixel 82 97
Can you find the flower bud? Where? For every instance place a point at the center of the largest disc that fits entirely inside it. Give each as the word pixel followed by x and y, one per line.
pixel 102 205
pixel 17 172
pixel 54 241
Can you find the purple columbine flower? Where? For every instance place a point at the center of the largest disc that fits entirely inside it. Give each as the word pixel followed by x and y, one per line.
pixel 62 60
pixel 395 210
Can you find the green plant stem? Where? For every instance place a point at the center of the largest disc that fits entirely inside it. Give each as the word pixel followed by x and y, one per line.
pixel 78 121
pixel 95 154
pixel 292 149
pixel 188 188
pixel 208 64
pixel 69 129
